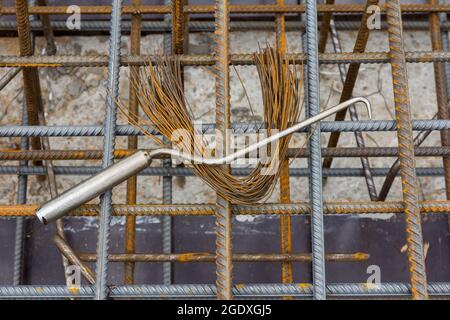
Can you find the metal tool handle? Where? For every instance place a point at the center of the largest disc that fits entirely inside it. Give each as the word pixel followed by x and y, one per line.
pixel 93 187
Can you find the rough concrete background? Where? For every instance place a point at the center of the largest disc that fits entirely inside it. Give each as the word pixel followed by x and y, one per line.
pixel 76 96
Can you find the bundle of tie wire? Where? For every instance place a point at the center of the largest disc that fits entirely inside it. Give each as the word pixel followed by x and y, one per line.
pixel 161 98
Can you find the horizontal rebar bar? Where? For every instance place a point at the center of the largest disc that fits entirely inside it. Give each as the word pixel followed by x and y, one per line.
pixel 16 155
pixel 209 290
pixel 208 60
pixel 183 171
pixel 127 130
pixel 210 257
pixel 242 8
pixel 272 209
pixel 203 26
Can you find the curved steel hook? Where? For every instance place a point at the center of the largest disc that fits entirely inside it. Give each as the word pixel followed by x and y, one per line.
pixel 133 164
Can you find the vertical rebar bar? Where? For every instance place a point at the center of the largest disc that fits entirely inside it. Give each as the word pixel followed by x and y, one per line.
pixel 441 90
pixel 31 82
pixel 19 241
pixel 285 192
pixel 167 180
pixel 315 155
pixel 324 28
pixel 101 290
pixel 406 152
pixel 354 117
pixel 347 92
pixel 224 265
pixel 133 111
pixel 47 30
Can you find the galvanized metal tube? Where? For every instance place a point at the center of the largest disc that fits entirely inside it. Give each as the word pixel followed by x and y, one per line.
pixel 93 187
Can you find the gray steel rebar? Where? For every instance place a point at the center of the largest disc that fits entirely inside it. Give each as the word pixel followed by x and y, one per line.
pixel 209 291
pixel 315 157
pixel 19 240
pixel 101 289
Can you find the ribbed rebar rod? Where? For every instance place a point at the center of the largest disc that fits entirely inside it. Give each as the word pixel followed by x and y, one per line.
pixel 47 30
pixel 441 90
pixel 207 26
pixel 410 186
pixel 238 8
pixel 224 265
pixel 31 83
pixel 347 93
pixel 167 181
pixel 19 155
pixel 315 156
pixel 19 240
pixel 393 171
pixel 324 28
pixel 285 191
pixel 208 60
pixel 237 257
pixel 187 172
pixel 354 117
pixel 268 209
pixel 209 291
pixel 101 289
pixel 133 111
pixel 445 45
pixel 128 130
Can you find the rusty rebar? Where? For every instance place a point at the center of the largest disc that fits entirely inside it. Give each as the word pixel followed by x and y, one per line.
pixel 208 60
pixel 31 82
pixel 269 209
pixel 410 185
pixel 324 28
pixel 393 171
pixel 441 90
pixel 237 257
pixel 365 163
pixel 47 30
pixel 238 8
pixel 224 265
pixel 133 110
pixel 347 92
pixel 350 152
pixel 285 192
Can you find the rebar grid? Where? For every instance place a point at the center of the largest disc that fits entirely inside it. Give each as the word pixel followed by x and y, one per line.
pixel 177 14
